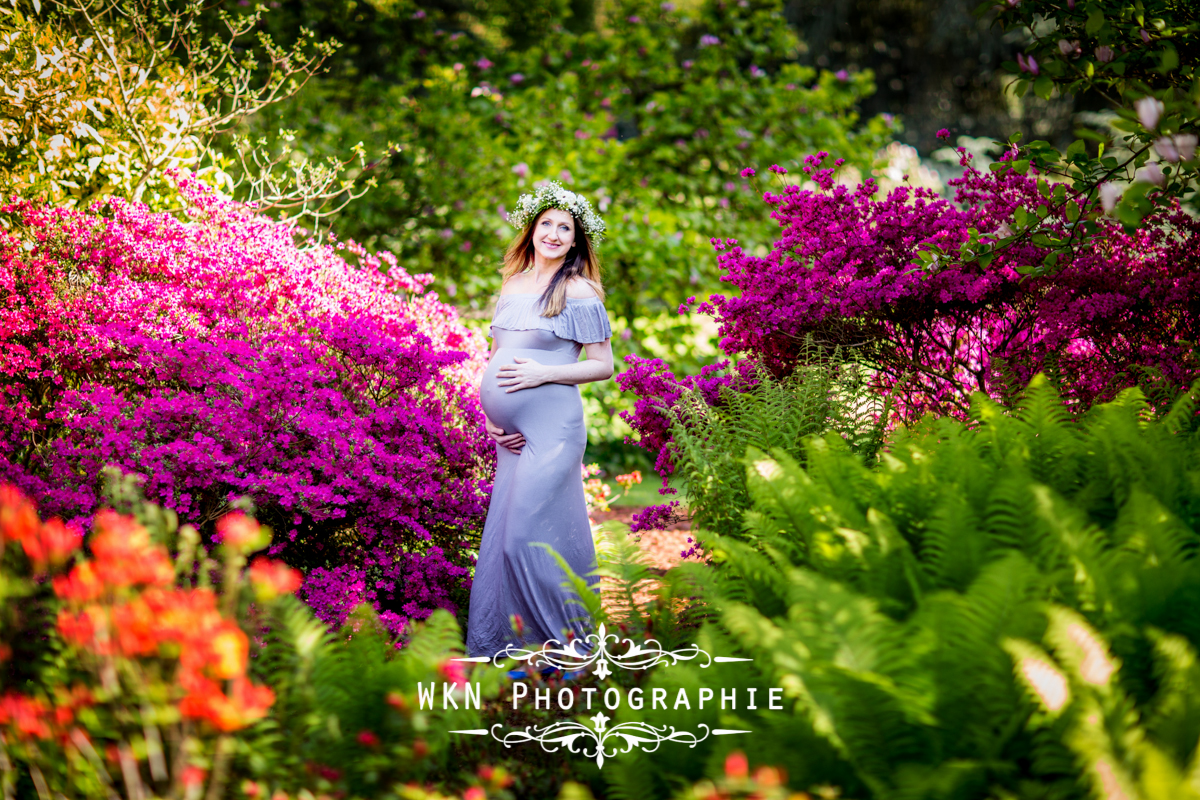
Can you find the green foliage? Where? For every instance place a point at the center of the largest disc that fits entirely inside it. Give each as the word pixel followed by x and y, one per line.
pixel 105 99
pixel 891 602
pixel 331 689
pixel 1139 60
pixel 711 440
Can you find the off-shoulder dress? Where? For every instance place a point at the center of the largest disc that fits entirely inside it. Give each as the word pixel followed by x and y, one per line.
pixel 538 493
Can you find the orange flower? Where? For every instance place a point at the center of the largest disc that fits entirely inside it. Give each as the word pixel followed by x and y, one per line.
pixel 51 544
pixel 78 629
pixel 229 650
pixel 81 585
pixel 397 701
pixel 244 704
pixel 124 554
pixel 240 532
pixel 18 515
pixel 273 578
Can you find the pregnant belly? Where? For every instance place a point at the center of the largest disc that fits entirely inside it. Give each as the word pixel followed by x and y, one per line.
pixel 530 411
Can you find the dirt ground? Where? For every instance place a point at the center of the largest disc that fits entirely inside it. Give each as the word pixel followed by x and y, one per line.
pixel 662 550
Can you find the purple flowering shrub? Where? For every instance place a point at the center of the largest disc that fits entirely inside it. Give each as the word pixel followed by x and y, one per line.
pixel 847 270
pixel 862 272
pixel 216 358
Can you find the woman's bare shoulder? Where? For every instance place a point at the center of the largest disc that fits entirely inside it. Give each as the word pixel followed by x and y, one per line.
pixel 581 289
pixel 515 284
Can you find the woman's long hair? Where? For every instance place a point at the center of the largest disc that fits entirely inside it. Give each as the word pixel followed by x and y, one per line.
pixel 580 262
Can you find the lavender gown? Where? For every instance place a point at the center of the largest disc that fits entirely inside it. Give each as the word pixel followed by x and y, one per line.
pixel 538 494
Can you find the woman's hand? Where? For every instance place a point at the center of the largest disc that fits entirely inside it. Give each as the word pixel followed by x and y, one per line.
pixel 513 442
pixel 524 374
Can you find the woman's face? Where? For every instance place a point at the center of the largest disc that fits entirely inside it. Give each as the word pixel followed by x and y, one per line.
pixel 553 234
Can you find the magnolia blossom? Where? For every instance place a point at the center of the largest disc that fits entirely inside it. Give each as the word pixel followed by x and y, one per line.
pixel 1027 63
pixel 1110 194
pixel 1180 147
pixel 1151 173
pixel 1071 49
pixel 1149 111
pixel 1104 54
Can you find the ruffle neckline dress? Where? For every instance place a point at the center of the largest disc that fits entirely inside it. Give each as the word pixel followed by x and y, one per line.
pixel 537 497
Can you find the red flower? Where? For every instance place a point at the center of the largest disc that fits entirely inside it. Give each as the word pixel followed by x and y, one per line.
pixel 273 578
pixel 193 776
pixel 239 532
pixel 453 671
pixel 18 515
pixel 736 765
pixel 368 739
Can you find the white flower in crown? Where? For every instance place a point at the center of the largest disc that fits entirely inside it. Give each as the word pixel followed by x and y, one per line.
pixel 552 194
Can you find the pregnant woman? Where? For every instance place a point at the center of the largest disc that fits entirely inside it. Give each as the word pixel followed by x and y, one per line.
pixel 550 309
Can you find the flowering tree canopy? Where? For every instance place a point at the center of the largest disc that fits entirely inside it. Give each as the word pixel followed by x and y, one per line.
pixel 857 270
pixel 866 274
pixel 215 358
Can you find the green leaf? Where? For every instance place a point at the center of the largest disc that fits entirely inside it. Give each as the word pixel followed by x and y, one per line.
pixel 1130 215
pixel 1043 87
pixel 1072 210
pixel 1095 22
pixel 1169 60
pixel 1021 166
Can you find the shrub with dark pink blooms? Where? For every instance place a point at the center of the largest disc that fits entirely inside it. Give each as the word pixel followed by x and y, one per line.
pixel 849 269
pixel 216 356
pixel 868 274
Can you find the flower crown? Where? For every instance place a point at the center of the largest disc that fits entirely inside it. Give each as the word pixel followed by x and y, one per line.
pixel 552 195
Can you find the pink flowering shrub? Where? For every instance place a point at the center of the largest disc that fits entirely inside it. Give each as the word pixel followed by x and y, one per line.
pixel 216 358
pixel 849 269
pixel 846 270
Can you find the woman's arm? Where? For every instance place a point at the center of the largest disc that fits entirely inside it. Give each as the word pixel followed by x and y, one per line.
pixel 491 355
pixel 527 373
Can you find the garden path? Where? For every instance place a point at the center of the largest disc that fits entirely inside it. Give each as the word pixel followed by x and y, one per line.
pixel 661 549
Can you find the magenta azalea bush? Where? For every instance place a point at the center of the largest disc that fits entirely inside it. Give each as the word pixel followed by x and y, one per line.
pixel 847 270
pixel 862 272
pixel 216 357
